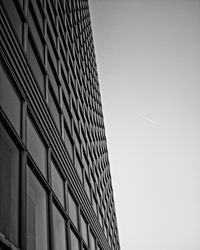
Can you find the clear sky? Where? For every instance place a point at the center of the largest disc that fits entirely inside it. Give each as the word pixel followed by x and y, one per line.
pixel 148 58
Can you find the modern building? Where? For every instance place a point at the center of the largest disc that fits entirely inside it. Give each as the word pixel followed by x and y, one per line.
pixel 55 183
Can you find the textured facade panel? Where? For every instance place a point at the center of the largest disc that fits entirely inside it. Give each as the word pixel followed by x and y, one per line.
pixel 55 183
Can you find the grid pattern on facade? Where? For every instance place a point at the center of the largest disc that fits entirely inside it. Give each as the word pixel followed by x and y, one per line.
pixel 53 153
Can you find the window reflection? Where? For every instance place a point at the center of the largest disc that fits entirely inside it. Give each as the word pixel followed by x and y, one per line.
pixel 54 110
pixel 36 147
pixel 14 17
pixel 79 168
pixel 9 99
pixel 35 65
pixel 84 229
pixel 57 183
pixel 72 210
pixel 59 230
pixel 68 142
pixel 9 187
pixel 36 214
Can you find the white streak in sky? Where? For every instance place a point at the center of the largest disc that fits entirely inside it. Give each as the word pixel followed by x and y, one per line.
pixel 147 119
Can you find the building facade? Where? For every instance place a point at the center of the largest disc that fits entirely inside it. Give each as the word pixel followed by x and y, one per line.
pixel 55 183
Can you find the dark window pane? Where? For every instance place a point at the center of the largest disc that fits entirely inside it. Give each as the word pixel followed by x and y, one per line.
pixel 9 99
pixel 9 187
pixel 36 147
pixel 57 183
pixel 38 13
pixel 36 214
pixel 74 241
pixel 66 113
pixel 72 210
pixel 84 231
pixel 74 115
pixel 14 17
pixel 77 141
pixel 54 110
pixel 66 90
pixel 59 230
pixel 79 169
pixel 36 68
pixel 87 188
pixel 53 81
pixel 85 163
pixel 51 48
pixel 68 143
pixel 35 32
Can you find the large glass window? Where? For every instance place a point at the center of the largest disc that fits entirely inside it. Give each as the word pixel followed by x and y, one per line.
pixel 57 183
pixel 9 99
pixel 35 30
pixel 36 214
pixel 66 113
pixel 35 65
pixel 54 109
pixel 52 77
pixel 14 17
pixel 77 140
pixel 72 209
pixel 38 13
pixel 36 147
pixel 79 168
pixel 51 48
pixel 59 230
pixel 87 188
pixel 84 231
pixel 74 241
pixel 68 142
pixel 9 187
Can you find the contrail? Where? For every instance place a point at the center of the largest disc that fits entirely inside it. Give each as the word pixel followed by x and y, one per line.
pixel 147 119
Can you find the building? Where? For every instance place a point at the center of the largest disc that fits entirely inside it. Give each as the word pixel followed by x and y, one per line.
pixel 55 183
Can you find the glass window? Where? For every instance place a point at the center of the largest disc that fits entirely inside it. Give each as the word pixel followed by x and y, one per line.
pixel 51 48
pixel 74 114
pixel 77 141
pixel 85 163
pixel 92 242
pixel 54 110
pixel 66 113
pixel 68 142
pixel 87 189
pixel 9 187
pixel 50 23
pixel 57 183
pixel 14 17
pixel 52 78
pixel 9 99
pixel 84 231
pixel 79 169
pixel 94 204
pixel 38 13
pixel 59 230
pixel 73 210
pixel 35 65
pixel 36 214
pixel 35 31
pixel 74 241
pixel 36 147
